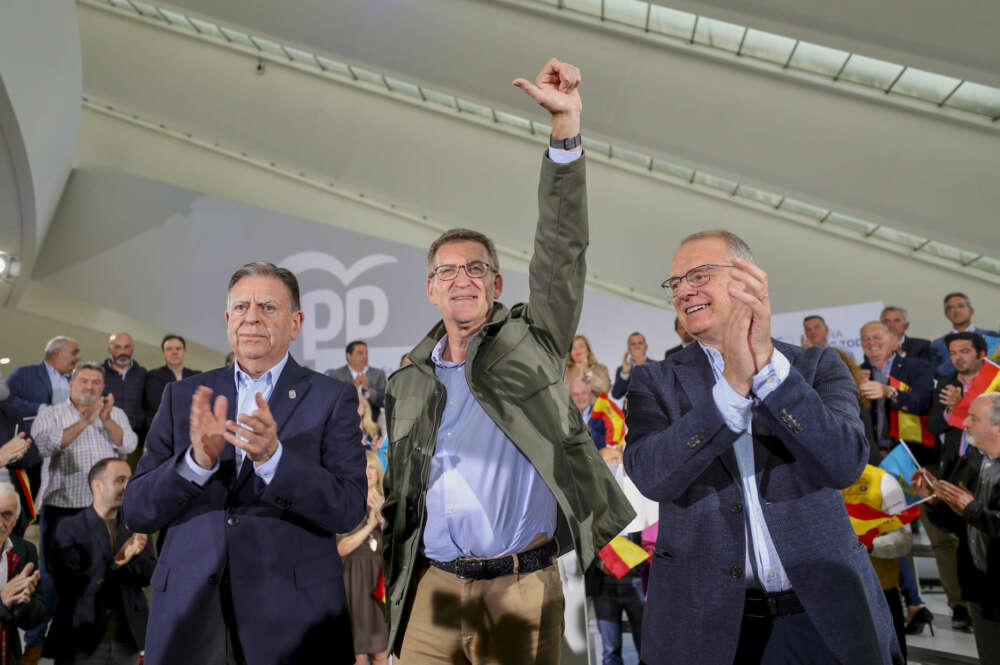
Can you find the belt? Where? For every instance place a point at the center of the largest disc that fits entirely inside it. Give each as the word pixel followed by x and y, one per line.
pixel 762 605
pixel 486 569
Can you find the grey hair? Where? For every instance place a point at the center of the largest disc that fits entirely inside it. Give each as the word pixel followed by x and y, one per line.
pixel 6 489
pixel 894 308
pixel 268 269
pixel 994 407
pixel 876 323
pixel 91 365
pixel 462 235
pixel 738 248
pixel 57 344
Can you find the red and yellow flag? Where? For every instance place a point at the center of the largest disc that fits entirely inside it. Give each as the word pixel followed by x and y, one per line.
pixel 22 479
pixel 909 426
pixel 379 592
pixel 869 523
pixel 614 420
pixel 622 555
pixel 986 381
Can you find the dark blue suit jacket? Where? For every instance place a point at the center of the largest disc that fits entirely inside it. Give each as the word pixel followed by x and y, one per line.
pixel 90 585
pixel 276 542
pixel 919 376
pixel 918 347
pixel 808 444
pixel 30 389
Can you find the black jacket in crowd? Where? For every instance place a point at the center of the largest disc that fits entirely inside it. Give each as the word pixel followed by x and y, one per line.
pixel 30 463
pixel 26 615
pixel 129 394
pixel 90 585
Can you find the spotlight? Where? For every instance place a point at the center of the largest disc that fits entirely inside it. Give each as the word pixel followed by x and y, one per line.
pixel 4 361
pixel 10 267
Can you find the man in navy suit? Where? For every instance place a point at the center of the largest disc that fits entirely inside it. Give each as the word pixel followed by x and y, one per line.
pixel 34 386
pixel 253 487
pixel 745 443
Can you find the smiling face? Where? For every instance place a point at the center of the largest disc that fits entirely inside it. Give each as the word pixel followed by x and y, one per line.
pixel 86 387
pixel 109 485
pixel 637 348
pixel 464 302
pixel 877 342
pixel 704 311
pixel 580 351
pixel 259 322
pixel 66 358
pixel 580 392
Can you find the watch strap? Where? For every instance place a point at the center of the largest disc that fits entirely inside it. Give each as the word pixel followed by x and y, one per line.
pixel 566 144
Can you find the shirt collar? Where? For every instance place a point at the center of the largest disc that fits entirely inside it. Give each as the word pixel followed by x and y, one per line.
pixel 53 372
pixel 887 367
pixel 439 349
pixel 271 376
pixel 9 544
pixel 714 355
pixel 971 328
pixel 355 374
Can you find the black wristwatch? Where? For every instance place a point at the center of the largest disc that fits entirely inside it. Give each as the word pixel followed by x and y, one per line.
pixel 566 144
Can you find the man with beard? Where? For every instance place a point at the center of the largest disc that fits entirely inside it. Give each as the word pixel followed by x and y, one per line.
pixel 126 380
pixel 100 567
pixel 71 438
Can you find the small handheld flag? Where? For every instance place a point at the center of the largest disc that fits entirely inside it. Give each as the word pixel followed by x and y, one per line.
pixel 901 465
pixel 869 523
pixel 986 381
pixel 614 419
pixel 622 555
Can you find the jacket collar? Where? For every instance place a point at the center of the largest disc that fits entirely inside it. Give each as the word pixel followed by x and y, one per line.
pixel 421 354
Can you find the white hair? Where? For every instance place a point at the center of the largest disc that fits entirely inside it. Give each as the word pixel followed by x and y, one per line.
pixel 994 399
pixel 6 489
pixel 58 344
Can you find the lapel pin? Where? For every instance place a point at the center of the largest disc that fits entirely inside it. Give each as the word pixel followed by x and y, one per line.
pixel 291 394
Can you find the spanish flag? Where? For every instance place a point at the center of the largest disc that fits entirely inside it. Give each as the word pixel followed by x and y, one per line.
pixel 986 381
pixel 614 420
pixel 869 523
pixel 22 479
pixel 908 426
pixel 622 555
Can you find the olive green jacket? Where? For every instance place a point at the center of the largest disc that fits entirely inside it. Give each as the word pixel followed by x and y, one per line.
pixel 514 368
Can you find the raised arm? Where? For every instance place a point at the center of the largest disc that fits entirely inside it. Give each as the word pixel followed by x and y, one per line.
pixel 558 267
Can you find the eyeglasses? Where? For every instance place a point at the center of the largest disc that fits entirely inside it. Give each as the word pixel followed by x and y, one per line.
pixel 697 276
pixel 449 271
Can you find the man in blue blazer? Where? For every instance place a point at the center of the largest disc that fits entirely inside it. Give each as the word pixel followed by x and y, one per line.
pixel 745 443
pixel 253 488
pixel 34 386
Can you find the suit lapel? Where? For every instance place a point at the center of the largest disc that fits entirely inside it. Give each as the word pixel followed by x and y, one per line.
pixel 98 532
pixel 289 392
pixel 694 372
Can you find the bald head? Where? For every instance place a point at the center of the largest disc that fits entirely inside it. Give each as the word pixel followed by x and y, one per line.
pixel 120 348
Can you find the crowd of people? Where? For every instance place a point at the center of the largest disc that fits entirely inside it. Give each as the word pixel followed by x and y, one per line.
pixel 282 516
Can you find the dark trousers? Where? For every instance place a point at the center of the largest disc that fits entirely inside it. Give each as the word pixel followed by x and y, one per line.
pixel 610 598
pixel 50 518
pixel 786 640
pixel 898 620
pixel 224 647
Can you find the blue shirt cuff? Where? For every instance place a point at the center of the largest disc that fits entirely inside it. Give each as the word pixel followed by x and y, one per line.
pixel 771 376
pixel 560 156
pixel 190 470
pixel 735 408
pixel 266 470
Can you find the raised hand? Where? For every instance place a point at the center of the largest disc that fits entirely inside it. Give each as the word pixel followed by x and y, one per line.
pixel 14 449
pixel 255 433
pixel 627 362
pixel 749 286
pixel 736 353
pixel 956 496
pixel 555 89
pixel 93 410
pixel 18 590
pixel 950 396
pixel 208 424
pixel 132 547
pixel 873 389
pixel 107 402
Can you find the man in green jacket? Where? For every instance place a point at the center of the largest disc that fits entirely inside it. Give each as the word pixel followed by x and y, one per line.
pixel 491 471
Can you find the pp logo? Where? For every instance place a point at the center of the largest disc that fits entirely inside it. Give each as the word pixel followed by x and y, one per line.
pixel 344 314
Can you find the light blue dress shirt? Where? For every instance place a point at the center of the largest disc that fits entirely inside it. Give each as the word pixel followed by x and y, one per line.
pixel 485 498
pixel 763 566
pixel 246 403
pixel 60 384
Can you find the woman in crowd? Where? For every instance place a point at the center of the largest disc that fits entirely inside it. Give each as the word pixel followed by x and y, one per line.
pixel 371 436
pixel 584 366
pixel 361 551
pixel 889 552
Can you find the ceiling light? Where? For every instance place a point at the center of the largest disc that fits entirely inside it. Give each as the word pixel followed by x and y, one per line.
pixel 4 361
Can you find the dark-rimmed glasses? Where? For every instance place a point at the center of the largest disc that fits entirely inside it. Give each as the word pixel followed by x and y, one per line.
pixel 697 276
pixel 449 271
